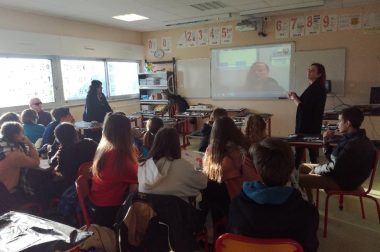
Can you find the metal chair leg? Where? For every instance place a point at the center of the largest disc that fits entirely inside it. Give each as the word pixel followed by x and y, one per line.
pixel 326 215
pixel 362 207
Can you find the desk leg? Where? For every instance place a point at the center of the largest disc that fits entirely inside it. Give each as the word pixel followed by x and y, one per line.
pixel 269 126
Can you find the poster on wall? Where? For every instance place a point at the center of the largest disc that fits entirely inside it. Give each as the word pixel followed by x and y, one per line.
pixel 329 23
pixel 181 43
pixel 297 27
pixel 226 34
pixel 371 20
pixel 349 21
pixel 202 37
pixel 166 44
pixel 313 24
pixel 152 46
pixel 214 35
pixel 282 28
pixel 191 38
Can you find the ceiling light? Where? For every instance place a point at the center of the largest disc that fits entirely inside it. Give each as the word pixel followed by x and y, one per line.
pixel 130 17
pixel 283 7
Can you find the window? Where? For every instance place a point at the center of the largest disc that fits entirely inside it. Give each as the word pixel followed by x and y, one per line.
pixel 77 76
pixel 58 81
pixel 123 78
pixel 24 78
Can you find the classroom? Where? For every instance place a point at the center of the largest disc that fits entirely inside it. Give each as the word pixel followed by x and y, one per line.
pixel 343 35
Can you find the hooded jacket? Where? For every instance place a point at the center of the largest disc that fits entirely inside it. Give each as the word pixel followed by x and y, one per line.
pixel 350 163
pixel 170 177
pixel 274 212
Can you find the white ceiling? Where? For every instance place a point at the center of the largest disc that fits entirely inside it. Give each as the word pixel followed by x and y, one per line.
pixel 159 12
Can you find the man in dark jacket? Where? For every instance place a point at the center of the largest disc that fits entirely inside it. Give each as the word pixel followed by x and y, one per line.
pixel 349 164
pixel 269 209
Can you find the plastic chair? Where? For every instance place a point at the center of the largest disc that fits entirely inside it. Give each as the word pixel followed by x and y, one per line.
pixel 232 243
pixel 83 191
pixel 360 192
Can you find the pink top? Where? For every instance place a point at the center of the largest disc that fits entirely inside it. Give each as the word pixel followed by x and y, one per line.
pixel 110 188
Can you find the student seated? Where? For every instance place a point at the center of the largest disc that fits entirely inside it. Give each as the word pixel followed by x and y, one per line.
pixel 44 117
pixel 16 152
pixel 349 164
pixel 269 209
pixel 153 125
pixel 9 117
pixel 32 130
pixel 72 153
pixel 226 157
pixel 206 129
pixel 226 163
pixel 114 169
pixel 165 172
pixel 60 115
pixel 255 129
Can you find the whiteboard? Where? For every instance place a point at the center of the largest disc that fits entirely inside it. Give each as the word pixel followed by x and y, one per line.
pixel 193 78
pixel 334 61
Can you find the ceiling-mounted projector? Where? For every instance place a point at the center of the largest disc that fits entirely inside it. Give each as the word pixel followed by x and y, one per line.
pixel 247 25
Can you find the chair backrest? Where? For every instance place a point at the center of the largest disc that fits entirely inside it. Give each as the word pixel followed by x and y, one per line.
pixel 373 173
pixel 232 242
pixel 85 170
pixel 83 191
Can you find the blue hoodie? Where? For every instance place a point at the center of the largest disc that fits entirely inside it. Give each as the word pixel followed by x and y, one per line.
pixel 263 194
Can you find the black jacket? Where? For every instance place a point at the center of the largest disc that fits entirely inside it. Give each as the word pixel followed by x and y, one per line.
pixel 179 215
pixel 350 162
pixel 294 219
pixel 206 132
pixel 310 111
pixel 95 109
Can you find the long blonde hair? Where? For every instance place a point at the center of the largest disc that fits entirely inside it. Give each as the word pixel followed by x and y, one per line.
pixel 255 129
pixel 225 137
pixel 116 137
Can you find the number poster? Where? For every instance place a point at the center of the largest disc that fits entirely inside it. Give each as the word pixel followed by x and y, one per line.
pixel 166 44
pixel 152 46
pixel 297 27
pixel 282 28
pixel 313 23
pixel 214 35
pixel 226 35
pixel 329 23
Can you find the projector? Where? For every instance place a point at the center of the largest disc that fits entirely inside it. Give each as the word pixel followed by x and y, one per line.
pixel 247 25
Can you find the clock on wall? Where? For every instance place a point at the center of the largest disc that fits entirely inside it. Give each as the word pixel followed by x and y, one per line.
pixel 159 53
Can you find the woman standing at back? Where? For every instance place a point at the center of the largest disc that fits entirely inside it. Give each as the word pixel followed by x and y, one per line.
pixel 114 169
pixel 310 108
pixel 96 103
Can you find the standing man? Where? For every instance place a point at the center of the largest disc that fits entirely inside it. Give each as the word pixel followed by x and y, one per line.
pixel 44 118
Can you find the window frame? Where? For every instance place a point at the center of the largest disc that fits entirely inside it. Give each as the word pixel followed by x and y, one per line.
pixel 58 88
pixel 122 97
pixel 54 71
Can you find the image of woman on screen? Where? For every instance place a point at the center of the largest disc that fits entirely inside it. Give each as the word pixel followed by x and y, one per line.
pixel 258 81
pixel 96 103
pixel 310 108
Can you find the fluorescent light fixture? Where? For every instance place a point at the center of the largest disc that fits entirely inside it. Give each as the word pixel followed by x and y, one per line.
pixel 283 7
pixel 130 17
pixel 204 19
